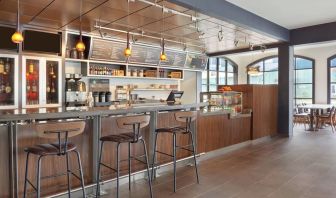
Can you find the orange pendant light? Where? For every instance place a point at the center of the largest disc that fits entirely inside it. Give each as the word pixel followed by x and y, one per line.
pixel 163 56
pixel 17 36
pixel 80 46
pixel 128 50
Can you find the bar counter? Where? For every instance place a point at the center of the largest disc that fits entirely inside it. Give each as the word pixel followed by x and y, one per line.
pixel 18 132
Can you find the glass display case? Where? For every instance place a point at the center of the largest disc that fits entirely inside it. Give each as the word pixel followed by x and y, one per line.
pixel 8 81
pixel 226 100
pixel 41 81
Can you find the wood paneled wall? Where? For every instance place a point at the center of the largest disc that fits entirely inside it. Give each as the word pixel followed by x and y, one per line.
pixel 218 131
pixel 263 100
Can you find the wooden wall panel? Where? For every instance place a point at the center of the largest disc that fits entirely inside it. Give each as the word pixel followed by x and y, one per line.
pixel 4 162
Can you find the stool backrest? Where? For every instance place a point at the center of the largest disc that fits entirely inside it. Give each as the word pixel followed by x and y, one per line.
pixel 186 117
pixel 52 130
pixel 134 123
pixel 60 131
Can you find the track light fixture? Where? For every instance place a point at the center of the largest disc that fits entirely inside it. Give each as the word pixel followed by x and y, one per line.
pixel 17 36
pixel 220 35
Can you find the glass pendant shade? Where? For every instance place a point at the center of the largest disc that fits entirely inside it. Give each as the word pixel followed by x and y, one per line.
pixel 163 56
pixel 17 37
pixel 80 46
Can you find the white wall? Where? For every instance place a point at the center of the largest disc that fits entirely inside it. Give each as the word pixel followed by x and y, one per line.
pixel 319 52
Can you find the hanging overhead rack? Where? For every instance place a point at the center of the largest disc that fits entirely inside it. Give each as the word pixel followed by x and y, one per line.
pixel 142 34
pixel 167 10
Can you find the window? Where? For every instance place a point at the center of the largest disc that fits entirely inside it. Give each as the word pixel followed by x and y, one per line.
pixel 268 71
pixel 303 80
pixel 332 80
pixel 220 71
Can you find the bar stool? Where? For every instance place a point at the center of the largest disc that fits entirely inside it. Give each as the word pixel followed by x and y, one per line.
pixel 61 132
pixel 186 117
pixel 134 123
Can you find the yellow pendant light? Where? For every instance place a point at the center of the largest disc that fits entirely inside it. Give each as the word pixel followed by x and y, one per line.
pixel 80 46
pixel 128 50
pixel 163 56
pixel 17 36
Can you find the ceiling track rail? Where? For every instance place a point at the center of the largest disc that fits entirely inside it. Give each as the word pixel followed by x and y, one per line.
pixel 147 36
pixel 167 10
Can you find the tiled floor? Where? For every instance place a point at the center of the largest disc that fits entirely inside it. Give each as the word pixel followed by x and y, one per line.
pixel 301 166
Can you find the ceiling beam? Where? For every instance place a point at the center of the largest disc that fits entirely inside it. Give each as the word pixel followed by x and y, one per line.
pixel 223 10
pixel 313 34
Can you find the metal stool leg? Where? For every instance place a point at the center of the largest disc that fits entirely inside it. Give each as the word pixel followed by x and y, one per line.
pixel 147 166
pixel 26 177
pixel 153 175
pixel 98 171
pixel 129 166
pixel 68 174
pixel 194 154
pixel 81 172
pixel 118 168
pixel 38 186
pixel 174 156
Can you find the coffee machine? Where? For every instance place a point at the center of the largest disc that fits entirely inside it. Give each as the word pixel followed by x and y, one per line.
pixel 75 95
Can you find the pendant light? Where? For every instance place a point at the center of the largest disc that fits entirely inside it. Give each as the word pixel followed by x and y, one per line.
pixel 127 51
pixel 80 46
pixel 163 56
pixel 17 36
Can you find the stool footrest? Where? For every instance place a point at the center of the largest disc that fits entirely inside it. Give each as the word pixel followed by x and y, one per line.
pixel 185 148
pixel 164 153
pixel 32 185
pixel 108 167
pixel 139 160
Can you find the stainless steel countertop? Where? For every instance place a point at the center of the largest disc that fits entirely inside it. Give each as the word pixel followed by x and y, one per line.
pixel 82 112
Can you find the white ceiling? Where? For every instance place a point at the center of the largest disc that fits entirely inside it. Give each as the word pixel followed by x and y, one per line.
pixel 291 14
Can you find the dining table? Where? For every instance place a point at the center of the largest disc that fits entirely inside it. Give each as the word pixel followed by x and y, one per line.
pixel 313 108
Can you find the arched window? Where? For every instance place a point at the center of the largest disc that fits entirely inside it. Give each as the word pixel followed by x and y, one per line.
pixel 268 71
pixel 220 71
pixel 304 80
pixel 303 76
pixel 332 80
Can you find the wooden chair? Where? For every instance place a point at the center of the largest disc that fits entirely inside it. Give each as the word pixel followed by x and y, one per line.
pixel 300 117
pixel 327 119
pixel 134 124
pixel 186 117
pixel 61 131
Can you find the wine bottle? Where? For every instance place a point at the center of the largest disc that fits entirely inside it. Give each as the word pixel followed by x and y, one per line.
pixel 2 67
pixel 34 87
pixel 48 88
pixel 31 68
pixel 7 66
pixel 53 90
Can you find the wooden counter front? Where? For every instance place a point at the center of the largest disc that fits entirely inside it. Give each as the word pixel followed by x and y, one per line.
pixel 218 131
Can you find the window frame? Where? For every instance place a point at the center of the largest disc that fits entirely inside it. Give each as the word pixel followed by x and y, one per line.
pixel 313 76
pixel 263 69
pixel 227 60
pixel 328 78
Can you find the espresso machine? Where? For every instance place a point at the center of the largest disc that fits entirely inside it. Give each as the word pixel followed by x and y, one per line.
pixel 75 95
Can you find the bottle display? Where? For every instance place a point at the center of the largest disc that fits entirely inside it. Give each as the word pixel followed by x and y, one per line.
pixel 105 71
pixel 6 81
pixel 52 82
pixel 32 82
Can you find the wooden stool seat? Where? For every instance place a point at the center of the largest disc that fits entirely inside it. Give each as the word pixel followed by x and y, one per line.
pixel 120 138
pixel 49 149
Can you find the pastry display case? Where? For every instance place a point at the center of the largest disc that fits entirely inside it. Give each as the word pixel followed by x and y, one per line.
pixel 8 81
pixel 41 82
pixel 224 100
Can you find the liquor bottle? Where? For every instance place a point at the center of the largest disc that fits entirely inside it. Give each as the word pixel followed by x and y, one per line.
pixel 90 70
pixel 8 88
pixel 48 88
pixel 34 87
pixel 31 68
pixel 7 66
pixel 2 67
pixel 53 90
pixel 51 70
